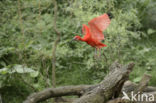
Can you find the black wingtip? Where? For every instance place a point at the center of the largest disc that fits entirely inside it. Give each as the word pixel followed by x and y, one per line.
pixel 110 15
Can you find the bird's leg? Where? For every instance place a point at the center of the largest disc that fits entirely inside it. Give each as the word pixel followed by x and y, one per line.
pixel 99 52
pixel 105 57
pixel 95 55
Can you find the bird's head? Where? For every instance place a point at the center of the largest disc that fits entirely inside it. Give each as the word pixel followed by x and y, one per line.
pixel 77 38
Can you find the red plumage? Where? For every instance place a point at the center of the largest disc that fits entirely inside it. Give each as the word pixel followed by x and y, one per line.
pixel 93 33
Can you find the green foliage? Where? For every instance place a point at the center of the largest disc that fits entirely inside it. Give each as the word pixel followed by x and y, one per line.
pixel 26 44
pixel 15 70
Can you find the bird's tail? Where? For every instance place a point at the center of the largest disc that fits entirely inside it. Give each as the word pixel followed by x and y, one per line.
pixel 103 45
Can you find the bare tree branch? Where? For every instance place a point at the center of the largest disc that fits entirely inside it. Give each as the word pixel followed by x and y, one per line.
pixel 57 92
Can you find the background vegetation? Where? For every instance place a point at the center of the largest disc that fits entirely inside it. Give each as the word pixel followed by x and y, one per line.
pixel 27 37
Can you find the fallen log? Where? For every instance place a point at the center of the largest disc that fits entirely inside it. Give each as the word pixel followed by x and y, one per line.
pixel 130 86
pixel 143 83
pixel 120 100
pixel 58 92
pixel 137 89
pixel 109 88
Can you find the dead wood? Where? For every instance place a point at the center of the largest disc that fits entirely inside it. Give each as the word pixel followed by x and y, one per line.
pixel 137 89
pixel 143 83
pixel 58 92
pixel 131 86
pixel 118 100
pixel 109 88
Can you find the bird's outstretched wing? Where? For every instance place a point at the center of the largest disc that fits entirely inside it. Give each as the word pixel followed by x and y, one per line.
pixel 85 31
pixel 97 25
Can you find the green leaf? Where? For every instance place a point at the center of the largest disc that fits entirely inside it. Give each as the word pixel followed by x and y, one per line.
pixel 4 71
pixel 34 74
pixel 22 69
pixel 151 31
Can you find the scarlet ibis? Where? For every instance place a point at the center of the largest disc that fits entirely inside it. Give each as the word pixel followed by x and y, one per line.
pixel 93 33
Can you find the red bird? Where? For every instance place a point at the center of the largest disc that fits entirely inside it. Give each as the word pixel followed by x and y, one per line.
pixel 93 33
